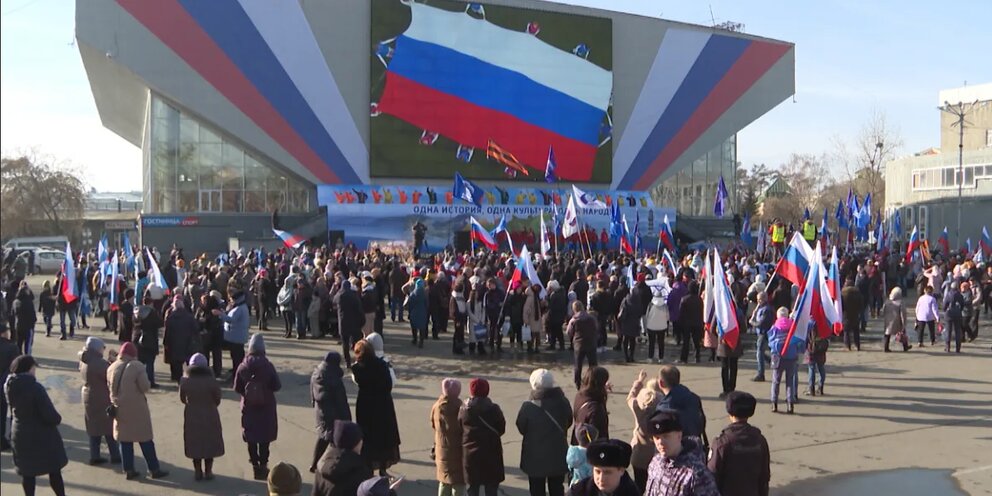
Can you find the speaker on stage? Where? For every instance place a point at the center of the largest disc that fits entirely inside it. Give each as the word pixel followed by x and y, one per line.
pixel 333 237
pixel 462 241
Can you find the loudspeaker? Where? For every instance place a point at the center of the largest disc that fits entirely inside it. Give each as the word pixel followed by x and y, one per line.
pixel 462 241
pixel 333 237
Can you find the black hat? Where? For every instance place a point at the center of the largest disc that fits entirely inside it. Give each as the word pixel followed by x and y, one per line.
pixel 609 453
pixel 663 421
pixel 347 435
pixel 741 404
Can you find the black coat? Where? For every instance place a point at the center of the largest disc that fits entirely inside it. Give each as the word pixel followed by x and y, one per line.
pixel 481 443
pixel 329 397
pixel 587 487
pixel 630 316
pixel 34 433
pixel 557 307
pixel 182 336
pixel 545 443
pixel 691 312
pixel 8 352
pixel 351 317
pixel 375 412
pixel 147 322
pixel 339 473
pixel 589 410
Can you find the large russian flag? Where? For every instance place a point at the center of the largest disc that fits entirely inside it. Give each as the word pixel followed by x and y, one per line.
pixel 985 244
pixel 795 261
pixel 69 276
pixel 481 235
pixel 473 81
pixel 914 244
pixel 724 310
pixel 814 309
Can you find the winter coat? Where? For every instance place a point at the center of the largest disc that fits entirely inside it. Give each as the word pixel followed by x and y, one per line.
pixel 689 406
pixel 147 323
pixel 658 315
pixel 724 350
pixel 133 423
pixel 684 475
pixel 543 421
pixel 853 305
pixel 448 454
pixel 895 317
pixel 740 461
pixel 375 411
pixel 587 487
pixel 203 435
pixel 691 312
pixel 95 393
pixel 329 397
pixel 351 317
pixel 630 316
pixel 236 322
pixel 417 308
pixel 8 352
pixel 674 302
pixel 641 442
pixel 483 426
pixel 583 331
pixel 182 336
pixel 259 424
pixel 557 308
pixel 776 341
pixel 339 473
pixel 532 313
pixel 34 432
pixel 588 410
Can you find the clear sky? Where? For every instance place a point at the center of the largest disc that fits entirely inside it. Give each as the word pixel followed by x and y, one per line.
pixel 851 56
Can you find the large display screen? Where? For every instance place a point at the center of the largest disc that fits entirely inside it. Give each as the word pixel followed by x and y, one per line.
pixel 489 91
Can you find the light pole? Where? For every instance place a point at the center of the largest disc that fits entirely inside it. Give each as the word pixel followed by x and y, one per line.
pixel 960 111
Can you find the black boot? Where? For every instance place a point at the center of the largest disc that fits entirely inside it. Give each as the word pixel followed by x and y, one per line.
pixel 887 339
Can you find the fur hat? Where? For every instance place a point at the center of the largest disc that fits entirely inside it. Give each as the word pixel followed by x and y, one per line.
pixel 609 453
pixel 451 388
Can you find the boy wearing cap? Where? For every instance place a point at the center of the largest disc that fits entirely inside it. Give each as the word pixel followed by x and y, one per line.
pixel 609 459
pixel 740 459
pixel 678 468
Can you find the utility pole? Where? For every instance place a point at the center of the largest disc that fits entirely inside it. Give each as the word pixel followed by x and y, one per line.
pixel 960 111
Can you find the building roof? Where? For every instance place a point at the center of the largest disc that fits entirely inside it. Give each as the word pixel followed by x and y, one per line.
pixel 777 188
pixel 965 94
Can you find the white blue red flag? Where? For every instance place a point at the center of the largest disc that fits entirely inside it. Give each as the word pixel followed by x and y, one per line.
pixel 834 287
pixel 69 293
pixel 666 235
pixel 724 310
pixel 545 243
pixel 625 238
pixel 943 241
pixel 913 245
pixel 480 234
pixel 525 270
pixel 795 262
pixel 289 239
pixel 985 244
pixel 814 309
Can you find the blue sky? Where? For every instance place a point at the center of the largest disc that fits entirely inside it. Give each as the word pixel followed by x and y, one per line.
pixel 851 56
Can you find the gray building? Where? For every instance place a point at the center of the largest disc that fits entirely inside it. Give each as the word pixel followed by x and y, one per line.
pixel 925 188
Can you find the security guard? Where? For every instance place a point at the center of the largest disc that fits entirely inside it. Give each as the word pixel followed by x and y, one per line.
pixel 809 231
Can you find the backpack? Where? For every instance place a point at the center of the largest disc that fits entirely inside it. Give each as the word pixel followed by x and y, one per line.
pixel 955 306
pixel 254 393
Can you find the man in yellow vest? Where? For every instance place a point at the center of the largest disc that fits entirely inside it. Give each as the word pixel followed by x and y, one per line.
pixel 778 236
pixel 809 231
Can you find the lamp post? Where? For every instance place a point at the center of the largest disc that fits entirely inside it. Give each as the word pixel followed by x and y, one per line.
pixel 960 110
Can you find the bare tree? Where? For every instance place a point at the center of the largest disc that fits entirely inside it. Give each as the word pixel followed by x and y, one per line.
pixel 864 159
pixel 39 196
pixel 807 175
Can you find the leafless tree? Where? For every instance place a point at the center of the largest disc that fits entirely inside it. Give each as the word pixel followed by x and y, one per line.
pixel 863 159
pixel 39 196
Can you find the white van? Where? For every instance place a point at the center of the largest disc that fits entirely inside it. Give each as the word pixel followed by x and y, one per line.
pixel 53 242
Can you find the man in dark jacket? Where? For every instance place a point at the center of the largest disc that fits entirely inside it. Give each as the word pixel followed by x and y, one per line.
pixel 691 322
pixel 677 397
pixel 438 297
pixel 8 352
pixel 341 469
pixel 351 318
pixel 554 319
pixel 674 302
pixel 397 278
pixel 181 338
pixel 854 306
pixel 739 458
pixel 584 333
pixel 147 323
pixel 609 459
pixel 493 301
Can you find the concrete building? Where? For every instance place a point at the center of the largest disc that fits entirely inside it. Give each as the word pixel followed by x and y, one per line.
pixel 244 107
pixel 926 186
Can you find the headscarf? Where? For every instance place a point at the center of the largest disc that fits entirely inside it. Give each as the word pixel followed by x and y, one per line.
pixel 93 343
pixel 375 339
pixel 256 345
pixel 198 360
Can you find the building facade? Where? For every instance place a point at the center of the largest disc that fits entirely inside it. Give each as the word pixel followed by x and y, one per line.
pixel 938 188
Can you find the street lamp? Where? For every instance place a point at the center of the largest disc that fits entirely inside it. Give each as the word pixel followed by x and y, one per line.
pixel 960 110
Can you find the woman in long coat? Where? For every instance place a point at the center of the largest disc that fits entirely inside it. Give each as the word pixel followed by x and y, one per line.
pixel 483 426
pixel 895 320
pixel 256 381
pixel 532 318
pixel 133 423
pixel 34 432
pixel 448 456
pixel 330 401
pixel 203 435
pixel 96 398
pixel 374 409
pixel 417 309
pixel 629 319
pixel 543 421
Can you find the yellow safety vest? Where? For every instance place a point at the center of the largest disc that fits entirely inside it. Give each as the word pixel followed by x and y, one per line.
pixel 778 234
pixel 809 231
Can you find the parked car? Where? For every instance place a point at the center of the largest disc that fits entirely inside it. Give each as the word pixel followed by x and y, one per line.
pixel 47 261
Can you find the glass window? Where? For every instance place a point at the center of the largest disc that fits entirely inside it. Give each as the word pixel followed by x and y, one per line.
pixel 208 136
pixel 988 171
pixel 255 201
pixel 188 201
pixel 969 175
pixel 233 200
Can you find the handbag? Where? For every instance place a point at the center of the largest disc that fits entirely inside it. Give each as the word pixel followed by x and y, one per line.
pixel 525 333
pixel 506 329
pixel 112 408
pixel 479 332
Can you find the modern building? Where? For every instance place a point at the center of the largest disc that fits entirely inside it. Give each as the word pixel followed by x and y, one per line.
pixel 244 107
pixel 927 187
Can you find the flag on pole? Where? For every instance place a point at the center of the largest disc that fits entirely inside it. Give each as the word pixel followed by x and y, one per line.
pixel 570 226
pixel 289 239
pixel 746 230
pixel 586 200
pixel 943 241
pixel 897 225
pixel 880 245
pixel 637 232
pixel 834 287
pixel 795 262
pixel 985 244
pixel 503 156
pixel 762 243
pixel 467 190
pixel 549 170
pixel 481 235
pixel 128 255
pixel 525 270
pixel 624 238
pixel 666 235
pixel 616 226
pixel 824 230
pixel 501 227
pixel 852 203
pixel 724 310
pixel 865 214
pixel 69 293
pixel 706 276
pixel 815 309
pixel 101 250
pixel 545 243
pixel 154 272
pixel 806 215
pixel 113 280
pixel 914 244
pixel 841 216
pixel 720 202
pixel 667 256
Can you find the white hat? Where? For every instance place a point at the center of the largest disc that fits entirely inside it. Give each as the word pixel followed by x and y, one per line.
pixel 542 379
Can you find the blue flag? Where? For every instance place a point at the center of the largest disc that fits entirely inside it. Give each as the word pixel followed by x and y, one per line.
pixel 746 230
pixel 549 170
pixel 720 202
pixel 467 190
pixel 865 216
pixel 852 203
pixel 897 224
pixel 841 215
pixel 824 232
pixel 806 215
pixel 616 227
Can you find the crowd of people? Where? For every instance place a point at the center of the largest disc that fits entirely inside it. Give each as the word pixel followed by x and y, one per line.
pixel 195 310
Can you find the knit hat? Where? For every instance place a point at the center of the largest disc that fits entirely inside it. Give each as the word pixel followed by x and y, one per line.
pixel 94 343
pixel 479 388
pixel 347 435
pixel 375 339
pixel 741 404
pixel 542 379
pixel 376 486
pixel 451 388
pixel 198 360
pixel 129 349
pixel 256 344
pixel 284 479
pixel 586 434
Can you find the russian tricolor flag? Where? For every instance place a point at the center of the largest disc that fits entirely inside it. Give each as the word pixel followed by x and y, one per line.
pixel 985 244
pixel 289 239
pixel 69 276
pixel 815 309
pixel 724 310
pixel 666 236
pixel 795 261
pixel 944 242
pixel 475 82
pixel 913 245
pixel 480 234
pixel 834 288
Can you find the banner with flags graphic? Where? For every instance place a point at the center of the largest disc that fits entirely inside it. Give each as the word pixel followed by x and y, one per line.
pixel 503 156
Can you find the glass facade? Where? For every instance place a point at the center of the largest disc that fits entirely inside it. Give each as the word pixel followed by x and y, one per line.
pixel 691 191
pixel 191 168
